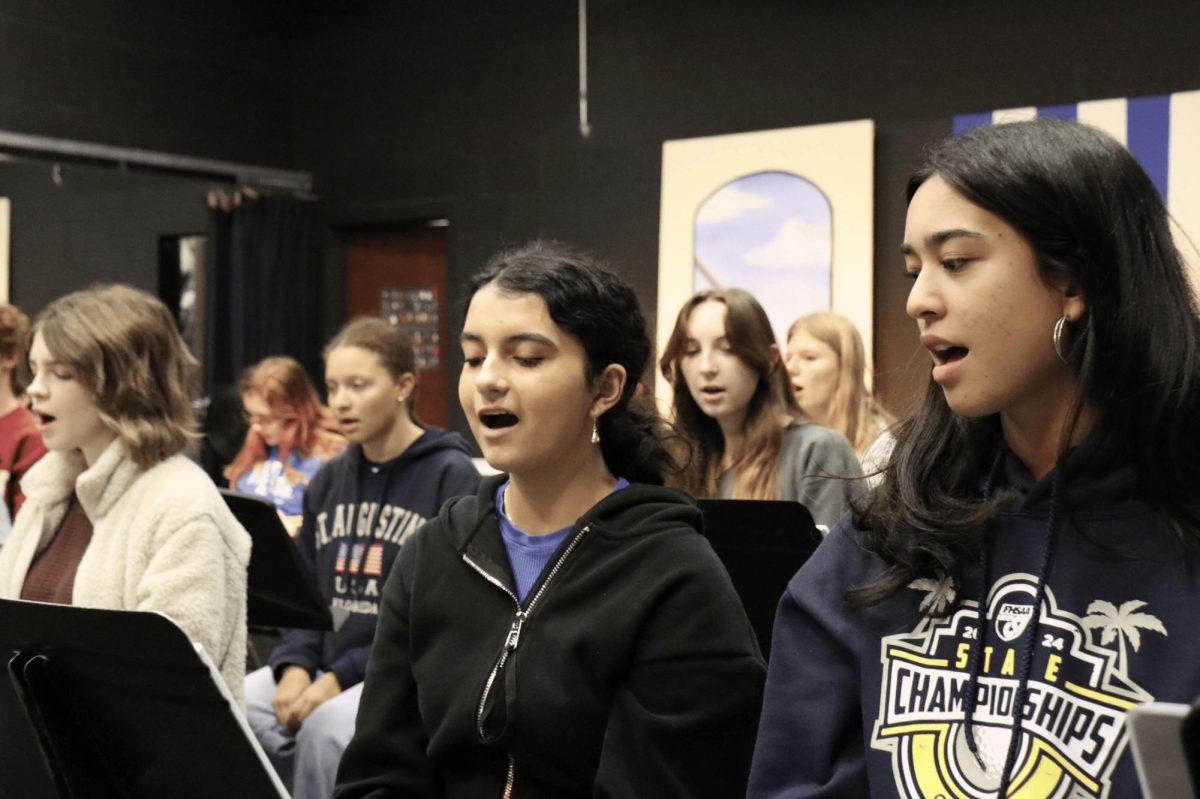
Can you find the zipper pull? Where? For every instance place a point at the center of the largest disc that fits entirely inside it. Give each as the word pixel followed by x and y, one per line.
pixel 514 634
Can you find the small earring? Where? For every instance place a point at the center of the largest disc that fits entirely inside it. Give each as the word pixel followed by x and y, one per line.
pixel 595 433
pixel 400 399
pixel 1060 348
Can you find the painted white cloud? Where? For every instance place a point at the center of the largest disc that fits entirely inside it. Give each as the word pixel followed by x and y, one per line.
pixel 730 203
pixel 797 245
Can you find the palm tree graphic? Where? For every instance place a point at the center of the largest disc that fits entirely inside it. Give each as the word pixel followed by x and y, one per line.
pixel 1121 624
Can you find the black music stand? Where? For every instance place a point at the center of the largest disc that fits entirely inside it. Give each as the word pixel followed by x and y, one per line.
pixel 1190 732
pixel 1163 751
pixel 107 704
pixel 762 543
pixel 280 591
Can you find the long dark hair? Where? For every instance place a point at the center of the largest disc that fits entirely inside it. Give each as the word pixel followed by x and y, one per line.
pixel 601 311
pixel 750 336
pixel 1093 217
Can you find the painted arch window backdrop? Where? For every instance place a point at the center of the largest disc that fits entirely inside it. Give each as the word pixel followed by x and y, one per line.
pixel 770 233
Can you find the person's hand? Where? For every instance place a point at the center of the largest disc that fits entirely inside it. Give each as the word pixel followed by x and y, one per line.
pixel 291 685
pixel 291 523
pixel 322 689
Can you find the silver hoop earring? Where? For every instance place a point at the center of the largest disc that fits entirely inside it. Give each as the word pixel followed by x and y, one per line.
pixel 595 433
pixel 1060 347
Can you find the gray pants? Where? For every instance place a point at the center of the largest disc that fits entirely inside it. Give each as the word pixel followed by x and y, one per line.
pixel 307 758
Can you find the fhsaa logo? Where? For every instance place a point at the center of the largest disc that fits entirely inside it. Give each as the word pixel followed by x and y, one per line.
pixel 1012 620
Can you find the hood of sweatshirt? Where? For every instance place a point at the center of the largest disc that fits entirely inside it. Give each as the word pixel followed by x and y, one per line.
pixel 1095 471
pixel 636 510
pixel 432 441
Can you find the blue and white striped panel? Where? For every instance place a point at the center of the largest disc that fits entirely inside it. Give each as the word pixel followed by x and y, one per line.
pixel 1163 133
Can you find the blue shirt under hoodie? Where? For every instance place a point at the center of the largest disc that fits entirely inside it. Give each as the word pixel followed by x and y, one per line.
pixel 872 702
pixel 357 515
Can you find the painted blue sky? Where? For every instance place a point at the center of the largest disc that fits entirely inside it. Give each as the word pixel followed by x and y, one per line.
pixel 771 234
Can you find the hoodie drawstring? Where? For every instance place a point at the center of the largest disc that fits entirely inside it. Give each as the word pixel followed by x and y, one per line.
pixel 985 580
pixel 1029 638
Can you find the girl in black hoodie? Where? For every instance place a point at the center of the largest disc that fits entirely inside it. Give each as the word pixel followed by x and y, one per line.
pixel 568 632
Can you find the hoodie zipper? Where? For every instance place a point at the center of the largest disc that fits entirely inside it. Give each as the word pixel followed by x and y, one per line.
pixel 514 639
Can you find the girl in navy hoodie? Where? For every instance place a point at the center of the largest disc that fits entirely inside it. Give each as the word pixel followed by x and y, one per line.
pixel 1027 571
pixel 567 632
pixel 359 510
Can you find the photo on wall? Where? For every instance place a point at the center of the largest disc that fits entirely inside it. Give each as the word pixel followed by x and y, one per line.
pixel 784 214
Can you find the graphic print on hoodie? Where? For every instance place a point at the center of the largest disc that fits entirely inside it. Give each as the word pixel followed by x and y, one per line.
pixel 362 530
pixel 875 702
pixel 357 516
pixel 1074 717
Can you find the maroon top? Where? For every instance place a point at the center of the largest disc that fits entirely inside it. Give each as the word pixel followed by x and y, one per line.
pixel 51 576
pixel 20 447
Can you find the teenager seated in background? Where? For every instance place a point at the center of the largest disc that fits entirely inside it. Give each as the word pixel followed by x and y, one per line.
pixel 733 404
pixel 359 510
pixel 828 368
pixel 114 516
pixel 290 436
pixel 20 442
pixel 567 632
pixel 1027 571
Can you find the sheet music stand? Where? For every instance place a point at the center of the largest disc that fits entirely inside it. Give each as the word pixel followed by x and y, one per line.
pixel 106 704
pixel 762 544
pixel 1191 743
pixel 1158 736
pixel 280 593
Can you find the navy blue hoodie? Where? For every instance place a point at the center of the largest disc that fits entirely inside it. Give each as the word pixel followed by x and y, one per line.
pixel 872 702
pixel 357 514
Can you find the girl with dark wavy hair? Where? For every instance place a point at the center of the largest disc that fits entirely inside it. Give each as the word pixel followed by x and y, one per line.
pixel 568 632
pixel 1027 570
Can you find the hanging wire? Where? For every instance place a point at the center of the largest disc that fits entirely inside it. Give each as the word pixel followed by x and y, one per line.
pixel 585 127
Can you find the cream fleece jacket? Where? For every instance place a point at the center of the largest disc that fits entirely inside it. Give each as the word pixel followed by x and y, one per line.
pixel 163 540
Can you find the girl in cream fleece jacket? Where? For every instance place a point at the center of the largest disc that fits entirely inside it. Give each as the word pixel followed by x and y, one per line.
pixel 114 516
pixel 163 540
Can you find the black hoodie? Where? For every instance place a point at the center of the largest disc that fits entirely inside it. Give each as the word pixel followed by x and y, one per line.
pixel 632 670
pixel 357 514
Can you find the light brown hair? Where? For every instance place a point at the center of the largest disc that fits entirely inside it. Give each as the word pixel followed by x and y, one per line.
pixel 771 407
pixel 853 410
pixel 391 343
pixel 14 342
pixel 123 344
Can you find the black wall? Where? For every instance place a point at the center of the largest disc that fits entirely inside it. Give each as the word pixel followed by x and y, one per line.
pixel 207 79
pixel 97 225
pixel 467 108
pixel 200 78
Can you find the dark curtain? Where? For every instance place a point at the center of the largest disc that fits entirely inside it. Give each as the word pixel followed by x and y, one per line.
pixel 264 262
